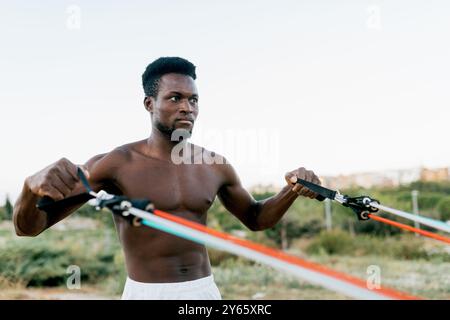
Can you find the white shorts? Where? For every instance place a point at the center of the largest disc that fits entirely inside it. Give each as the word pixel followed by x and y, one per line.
pixel 200 289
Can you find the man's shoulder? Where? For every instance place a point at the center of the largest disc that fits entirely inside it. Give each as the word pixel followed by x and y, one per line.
pixel 117 156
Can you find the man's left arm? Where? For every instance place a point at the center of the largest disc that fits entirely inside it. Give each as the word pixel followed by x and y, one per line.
pixel 263 214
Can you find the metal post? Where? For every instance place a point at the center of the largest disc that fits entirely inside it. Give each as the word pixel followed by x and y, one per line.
pixel 328 221
pixel 415 205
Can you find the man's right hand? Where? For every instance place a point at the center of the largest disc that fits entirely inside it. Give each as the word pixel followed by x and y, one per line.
pixel 56 181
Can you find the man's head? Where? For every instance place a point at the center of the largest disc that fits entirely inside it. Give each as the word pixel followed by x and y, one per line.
pixel 171 94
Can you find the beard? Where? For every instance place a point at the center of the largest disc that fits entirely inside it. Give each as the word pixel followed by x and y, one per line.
pixel 167 131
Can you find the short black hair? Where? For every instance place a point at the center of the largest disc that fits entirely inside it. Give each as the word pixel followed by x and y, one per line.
pixel 162 66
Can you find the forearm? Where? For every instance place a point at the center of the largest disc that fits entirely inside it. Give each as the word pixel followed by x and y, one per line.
pixel 268 212
pixel 28 220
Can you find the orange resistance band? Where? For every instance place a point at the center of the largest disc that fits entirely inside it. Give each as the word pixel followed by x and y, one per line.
pixel 409 228
pixel 283 256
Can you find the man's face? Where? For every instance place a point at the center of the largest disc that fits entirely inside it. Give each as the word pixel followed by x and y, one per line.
pixel 176 105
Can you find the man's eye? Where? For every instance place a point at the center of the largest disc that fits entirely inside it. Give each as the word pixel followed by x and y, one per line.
pixel 194 100
pixel 175 99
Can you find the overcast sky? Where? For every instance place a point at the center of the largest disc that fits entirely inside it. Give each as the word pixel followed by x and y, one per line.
pixel 336 86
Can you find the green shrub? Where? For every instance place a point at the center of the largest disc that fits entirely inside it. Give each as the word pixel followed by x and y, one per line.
pixel 376 228
pixel 428 201
pixel 443 208
pixel 442 187
pixel 105 216
pixel 3 214
pixel 116 281
pixel 411 249
pixel 218 257
pixel 294 229
pixel 332 242
pixel 407 247
pixel 43 261
pixel 34 264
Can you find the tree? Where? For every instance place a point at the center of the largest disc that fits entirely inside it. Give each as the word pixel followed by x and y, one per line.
pixel 2 214
pixel 8 208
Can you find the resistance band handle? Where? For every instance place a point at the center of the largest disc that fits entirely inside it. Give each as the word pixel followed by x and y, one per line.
pixel 311 186
pixel 45 202
pixel 320 197
pixel 49 205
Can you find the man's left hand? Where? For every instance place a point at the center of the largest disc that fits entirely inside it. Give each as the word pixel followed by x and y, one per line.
pixel 302 173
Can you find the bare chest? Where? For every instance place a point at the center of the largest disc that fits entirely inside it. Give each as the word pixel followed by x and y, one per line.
pixel 171 187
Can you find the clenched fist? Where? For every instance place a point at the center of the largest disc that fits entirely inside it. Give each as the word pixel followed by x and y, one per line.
pixel 56 181
pixel 302 173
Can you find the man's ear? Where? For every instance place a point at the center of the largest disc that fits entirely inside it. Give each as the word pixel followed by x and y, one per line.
pixel 148 103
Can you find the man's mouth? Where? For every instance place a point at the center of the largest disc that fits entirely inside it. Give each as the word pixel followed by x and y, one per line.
pixel 185 121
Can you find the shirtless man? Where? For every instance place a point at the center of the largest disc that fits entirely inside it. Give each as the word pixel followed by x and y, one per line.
pixel 159 265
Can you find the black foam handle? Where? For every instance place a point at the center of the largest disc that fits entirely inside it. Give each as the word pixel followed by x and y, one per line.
pixel 45 202
pixel 320 197
pixel 49 205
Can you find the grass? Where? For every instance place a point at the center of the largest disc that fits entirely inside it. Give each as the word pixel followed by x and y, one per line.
pixel 414 265
pixel 426 279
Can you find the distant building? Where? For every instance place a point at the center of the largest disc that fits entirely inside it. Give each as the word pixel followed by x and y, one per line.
pixel 440 174
pixel 390 178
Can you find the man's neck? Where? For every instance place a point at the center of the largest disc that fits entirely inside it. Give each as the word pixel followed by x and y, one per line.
pixel 160 146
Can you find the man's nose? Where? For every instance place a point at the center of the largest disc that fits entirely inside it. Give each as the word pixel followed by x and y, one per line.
pixel 186 106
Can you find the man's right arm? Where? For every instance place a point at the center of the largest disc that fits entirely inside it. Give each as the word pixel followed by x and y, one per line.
pixel 57 181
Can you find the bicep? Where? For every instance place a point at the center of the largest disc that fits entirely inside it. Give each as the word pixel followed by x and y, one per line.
pixel 235 198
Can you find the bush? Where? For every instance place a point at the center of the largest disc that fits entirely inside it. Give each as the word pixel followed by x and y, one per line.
pixel 439 187
pixel 116 281
pixel 376 228
pixel 410 249
pixel 407 247
pixel 294 229
pixel 3 214
pixel 429 201
pixel 443 208
pixel 218 257
pixel 105 216
pixel 34 264
pixel 43 261
pixel 332 242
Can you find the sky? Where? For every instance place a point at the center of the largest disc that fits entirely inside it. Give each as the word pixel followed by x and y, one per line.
pixel 337 87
